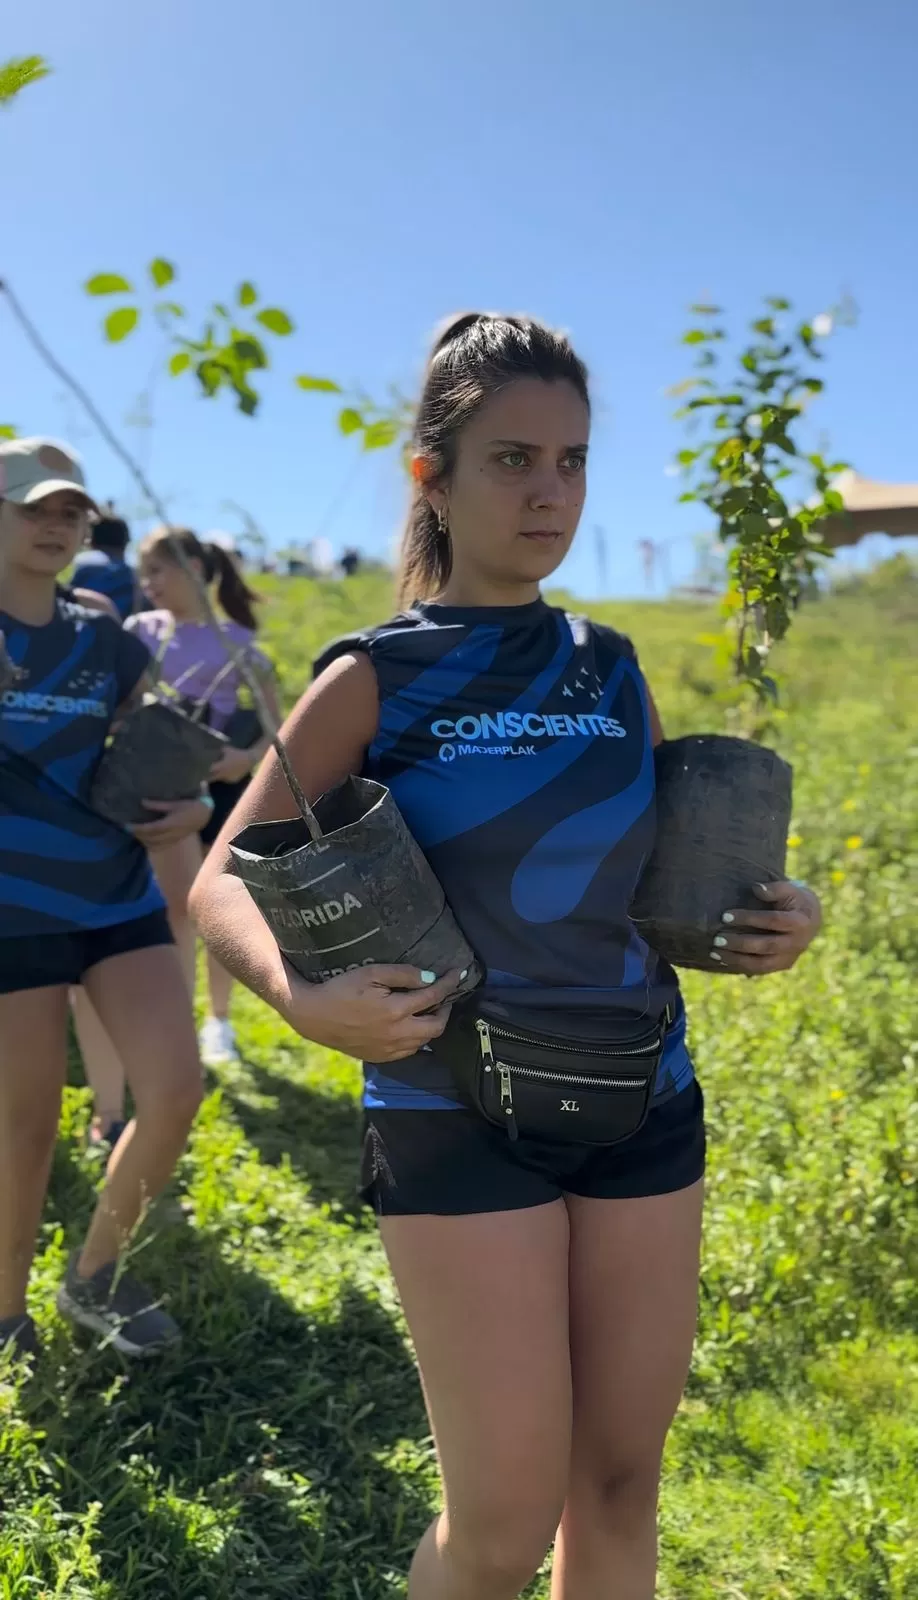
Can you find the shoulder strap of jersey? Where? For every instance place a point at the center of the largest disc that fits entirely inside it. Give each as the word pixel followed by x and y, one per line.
pixel 346 645
pixel 361 640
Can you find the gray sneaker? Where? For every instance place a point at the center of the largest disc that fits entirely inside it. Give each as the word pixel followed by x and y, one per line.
pixel 121 1309
pixel 19 1335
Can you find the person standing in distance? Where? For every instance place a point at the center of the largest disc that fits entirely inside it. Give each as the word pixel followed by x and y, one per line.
pixel 102 566
pixel 78 905
pixel 549 1284
pixel 190 655
pixel 192 659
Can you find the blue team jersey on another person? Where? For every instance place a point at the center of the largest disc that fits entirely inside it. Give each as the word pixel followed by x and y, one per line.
pixel 516 742
pixel 108 575
pixel 63 867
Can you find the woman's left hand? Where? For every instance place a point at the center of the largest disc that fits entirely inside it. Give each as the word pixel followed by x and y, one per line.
pixel 776 938
pixel 232 765
pixel 179 819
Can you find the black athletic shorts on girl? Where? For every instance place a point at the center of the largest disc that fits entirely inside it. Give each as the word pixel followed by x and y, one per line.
pixel 41 960
pixel 453 1163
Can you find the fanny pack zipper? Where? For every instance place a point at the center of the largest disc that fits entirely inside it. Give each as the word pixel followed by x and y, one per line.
pixel 591 1082
pixel 653 1041
pixel 503 1072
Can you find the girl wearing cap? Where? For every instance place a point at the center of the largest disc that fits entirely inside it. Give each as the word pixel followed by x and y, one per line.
pixel 191 658
pixel 536 1155
pixel 78 905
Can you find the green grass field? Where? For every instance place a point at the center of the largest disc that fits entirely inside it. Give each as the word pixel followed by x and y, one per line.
pixel 284 1455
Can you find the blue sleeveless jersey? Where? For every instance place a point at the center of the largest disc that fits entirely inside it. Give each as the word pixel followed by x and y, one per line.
pixel 62 866
pixel 516 743
pixel 106 575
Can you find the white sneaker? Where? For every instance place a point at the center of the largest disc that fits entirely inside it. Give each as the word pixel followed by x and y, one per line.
pixel 217 1042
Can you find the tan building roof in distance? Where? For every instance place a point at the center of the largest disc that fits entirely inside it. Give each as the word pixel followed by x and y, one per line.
pixel 871 507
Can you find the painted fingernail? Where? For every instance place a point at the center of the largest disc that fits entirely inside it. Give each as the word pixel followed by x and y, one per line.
pixel 728 917
pixel 428 977
pixel 715 956
pixel 719 942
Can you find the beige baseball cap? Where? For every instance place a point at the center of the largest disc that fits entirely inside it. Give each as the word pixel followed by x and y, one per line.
pixel 31 469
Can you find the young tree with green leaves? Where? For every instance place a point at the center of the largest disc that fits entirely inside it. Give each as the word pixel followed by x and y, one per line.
pixel 766 493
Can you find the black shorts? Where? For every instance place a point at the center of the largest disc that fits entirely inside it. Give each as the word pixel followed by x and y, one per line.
pixel 54 958
pixel 453 1163
pixel 224 797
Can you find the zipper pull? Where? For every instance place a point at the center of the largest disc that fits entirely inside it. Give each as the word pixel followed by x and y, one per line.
pixel 506 1100
pixel 484 1038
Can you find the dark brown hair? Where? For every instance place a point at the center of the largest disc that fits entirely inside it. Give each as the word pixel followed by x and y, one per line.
pixel 111 532
pixel 474 355
pixel 233 593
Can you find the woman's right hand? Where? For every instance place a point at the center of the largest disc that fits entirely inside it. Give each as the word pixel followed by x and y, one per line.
pixel 372 1013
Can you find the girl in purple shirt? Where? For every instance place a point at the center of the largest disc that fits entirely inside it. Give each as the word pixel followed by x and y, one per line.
pixel 191 658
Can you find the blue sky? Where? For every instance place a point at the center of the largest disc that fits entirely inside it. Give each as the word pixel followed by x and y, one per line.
pixel 374 168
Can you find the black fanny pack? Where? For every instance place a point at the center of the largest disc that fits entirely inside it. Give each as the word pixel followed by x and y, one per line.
pixel 540 1087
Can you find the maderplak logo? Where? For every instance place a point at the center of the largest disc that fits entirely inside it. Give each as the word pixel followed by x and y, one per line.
pixel 511 733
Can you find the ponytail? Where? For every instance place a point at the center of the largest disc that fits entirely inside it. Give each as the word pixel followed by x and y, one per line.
pixel 426 557
pixel 233 593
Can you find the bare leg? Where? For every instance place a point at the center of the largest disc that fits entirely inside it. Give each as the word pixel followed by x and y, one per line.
pixel 486 1302
pixel 176 869
pixel 33 1065
pixel 101 1062
pixel 143 1002
pixel 220 984
pixel 634 1287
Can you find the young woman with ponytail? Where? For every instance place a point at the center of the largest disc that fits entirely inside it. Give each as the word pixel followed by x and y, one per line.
pixel 190 657
pixel 549 1279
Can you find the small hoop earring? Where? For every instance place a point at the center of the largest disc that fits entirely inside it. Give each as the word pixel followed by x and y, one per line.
pixel 443 523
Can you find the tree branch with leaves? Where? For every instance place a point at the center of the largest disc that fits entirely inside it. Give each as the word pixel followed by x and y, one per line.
pixel 228 348
pixel 744 468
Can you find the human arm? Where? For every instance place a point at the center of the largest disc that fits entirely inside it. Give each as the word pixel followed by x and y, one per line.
pixel 93 601
pixel 235 763
pixel 179 819
pixel 372 1012
pixel 653 717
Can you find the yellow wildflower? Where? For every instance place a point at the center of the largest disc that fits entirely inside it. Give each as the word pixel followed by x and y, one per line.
pixel 794 841
pixel 849 805
pixel 838 876
pixel 854 842
pixel 864 769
